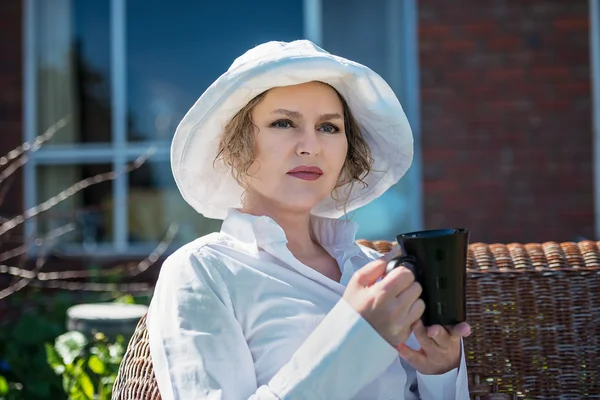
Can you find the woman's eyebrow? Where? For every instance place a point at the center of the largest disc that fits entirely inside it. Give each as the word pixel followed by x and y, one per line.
pixel 296 114
pixel 330 116
pixel 291 114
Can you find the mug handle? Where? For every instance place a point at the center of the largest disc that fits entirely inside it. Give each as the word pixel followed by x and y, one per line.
pixel 406 261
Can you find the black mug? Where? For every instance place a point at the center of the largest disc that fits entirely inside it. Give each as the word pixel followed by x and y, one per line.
pixel 438 258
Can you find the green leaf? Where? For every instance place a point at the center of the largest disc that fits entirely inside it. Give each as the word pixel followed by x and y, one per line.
pixel 70 345
pixel 109 380
pixel 54 359
pixel 77 394
pixel 70 369
pixel 67 383
pixel 96 365
pixel 3 386
pixel 116 351
pixel 126 299
pixel 86 385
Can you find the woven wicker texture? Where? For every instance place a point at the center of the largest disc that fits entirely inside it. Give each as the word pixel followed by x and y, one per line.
pixel 535 314
pixel 135 379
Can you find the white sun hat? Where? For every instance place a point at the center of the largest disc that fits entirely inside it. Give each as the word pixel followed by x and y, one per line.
pixel 210 188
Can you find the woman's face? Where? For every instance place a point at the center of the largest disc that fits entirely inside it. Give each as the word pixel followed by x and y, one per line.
pixel 300 147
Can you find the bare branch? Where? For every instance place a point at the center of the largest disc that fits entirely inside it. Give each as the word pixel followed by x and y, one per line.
pixel 93 287
pixel 32 146
pixel 129 270
pixel 77 187
pixel 36 143
pixel 158 251
pixel 52 235
pixel 8 171
pixel 16 271
pixel 57 279
pixel 9 164
pixel 20 284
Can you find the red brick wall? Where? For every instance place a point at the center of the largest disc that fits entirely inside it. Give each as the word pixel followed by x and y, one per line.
pixel 506 118
pixel 11 94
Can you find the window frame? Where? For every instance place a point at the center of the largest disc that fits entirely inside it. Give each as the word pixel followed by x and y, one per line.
pixel 119 151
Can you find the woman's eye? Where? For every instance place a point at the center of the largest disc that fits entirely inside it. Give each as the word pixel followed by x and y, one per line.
pixel 282 123
pixel 329 128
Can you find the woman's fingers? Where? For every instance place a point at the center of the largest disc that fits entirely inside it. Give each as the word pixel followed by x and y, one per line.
pixel 409 307
pixel 416 310
pixel 439 352
pixel 461 330
pixel 410 295
pixel 416 358
pixel 442 336
pixel 368 275
pixel 390 304
pixel 396 282
pixel 424 336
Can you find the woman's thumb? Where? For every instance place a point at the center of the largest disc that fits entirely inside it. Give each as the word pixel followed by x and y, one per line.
pixel 368 275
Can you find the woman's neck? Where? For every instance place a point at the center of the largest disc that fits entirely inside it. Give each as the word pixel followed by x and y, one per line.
pixel 296 226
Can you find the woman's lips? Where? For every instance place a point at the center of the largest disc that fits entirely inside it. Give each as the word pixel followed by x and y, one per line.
pixel 307 176
pixel 306 173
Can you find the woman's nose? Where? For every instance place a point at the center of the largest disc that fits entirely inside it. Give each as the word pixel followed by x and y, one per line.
pixel 308 143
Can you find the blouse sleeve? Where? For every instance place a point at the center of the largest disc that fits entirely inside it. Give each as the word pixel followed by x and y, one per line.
pixel 199 351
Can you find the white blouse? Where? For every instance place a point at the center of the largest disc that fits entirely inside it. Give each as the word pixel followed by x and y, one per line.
pixel 236 316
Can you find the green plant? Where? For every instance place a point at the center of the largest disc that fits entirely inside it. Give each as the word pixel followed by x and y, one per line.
pixel 88 369
pixel 39 317
pixel 23 364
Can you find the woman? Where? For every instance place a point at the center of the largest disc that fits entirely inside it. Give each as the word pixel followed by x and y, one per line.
pixel 282 303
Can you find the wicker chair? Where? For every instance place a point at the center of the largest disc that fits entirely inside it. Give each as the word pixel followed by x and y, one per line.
pixel 535 314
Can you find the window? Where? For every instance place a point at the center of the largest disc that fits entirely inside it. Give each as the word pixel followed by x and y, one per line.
pixel 382 35
pixel 126 72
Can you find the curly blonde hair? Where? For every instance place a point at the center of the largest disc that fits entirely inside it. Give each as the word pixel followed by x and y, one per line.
pixel 236 147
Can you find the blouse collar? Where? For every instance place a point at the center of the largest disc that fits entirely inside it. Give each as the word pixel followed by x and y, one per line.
pixel 262 231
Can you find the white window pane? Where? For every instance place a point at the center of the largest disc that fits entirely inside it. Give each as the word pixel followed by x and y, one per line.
pixel 90 210
pixel 359 31
pixel 155 203
pixel 174 53
pixel 176 50
pixel 375 39
pixel 73 69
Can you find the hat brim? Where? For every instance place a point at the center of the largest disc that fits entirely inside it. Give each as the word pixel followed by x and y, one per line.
pixel 209 187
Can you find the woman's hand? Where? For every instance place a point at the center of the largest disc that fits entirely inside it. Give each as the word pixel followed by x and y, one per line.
pixel 391 305
pixel 440 350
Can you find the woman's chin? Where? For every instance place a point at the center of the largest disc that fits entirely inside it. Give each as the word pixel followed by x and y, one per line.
pixel 297 201
pixel 300 203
